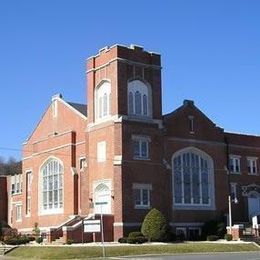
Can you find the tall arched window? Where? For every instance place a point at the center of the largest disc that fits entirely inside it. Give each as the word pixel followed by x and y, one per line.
pixel 103 100
pixel 193 179
pixel 52 185
pixel 139 99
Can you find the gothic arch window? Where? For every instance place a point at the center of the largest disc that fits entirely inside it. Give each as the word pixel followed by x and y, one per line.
pixel 103 100
pixel 51 178
pixel 193 179
pixel 102 199
pixel 139 99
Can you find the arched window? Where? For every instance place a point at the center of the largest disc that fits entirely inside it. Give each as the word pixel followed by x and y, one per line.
pixel 139 99
pixel 193 180
pixel 52 185
pixel 103 100
pixel 102 199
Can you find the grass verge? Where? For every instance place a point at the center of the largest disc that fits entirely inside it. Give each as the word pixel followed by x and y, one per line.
pixel 80 252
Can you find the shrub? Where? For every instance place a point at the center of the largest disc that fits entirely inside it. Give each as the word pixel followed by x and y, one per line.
pixel 9 233
pixel 39 240
pixel 135 234
pixel 154 226
pixel 137 240
pixel 212 238
pixel 228 237
pixel 70 241
pixel 122 240
pixel 17 240
pixel 214 227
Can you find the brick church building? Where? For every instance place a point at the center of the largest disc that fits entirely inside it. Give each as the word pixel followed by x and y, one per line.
pixel 121 156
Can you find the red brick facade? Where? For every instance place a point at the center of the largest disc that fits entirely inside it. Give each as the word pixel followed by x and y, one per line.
pixel 3 199
pixel 132 154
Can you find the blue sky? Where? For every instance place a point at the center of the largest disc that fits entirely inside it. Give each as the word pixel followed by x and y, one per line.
pixel 210 53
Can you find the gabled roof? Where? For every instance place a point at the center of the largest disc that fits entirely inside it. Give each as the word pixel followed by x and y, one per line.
pixel 189 103
pixel 82 108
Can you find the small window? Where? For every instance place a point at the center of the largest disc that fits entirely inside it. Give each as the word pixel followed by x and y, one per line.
pixel 181 232
pixel 18 212
pixel 191 124
pixel 141 147
pixel 252 166
pixel 234 164
pixel 82 163
pixel 142 195
pixel 101 151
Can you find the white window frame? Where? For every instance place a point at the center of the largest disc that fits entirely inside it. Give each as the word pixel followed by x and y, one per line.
pixel 18 212
pixel 144 89
pixel 101 151
pixel 141 187
pixel 60 188
pixel 211 186
pixel 141 140
pixel 232 167
pixel 82 163
pixel 250 165
pixel 16 184
pixel 103 89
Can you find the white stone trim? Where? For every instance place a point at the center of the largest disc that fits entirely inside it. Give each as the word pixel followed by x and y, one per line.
pixel 186 224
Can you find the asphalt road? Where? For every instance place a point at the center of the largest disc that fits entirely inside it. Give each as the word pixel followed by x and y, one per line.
pixel 216 256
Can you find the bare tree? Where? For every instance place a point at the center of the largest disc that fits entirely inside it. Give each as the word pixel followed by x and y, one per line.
pixel 10 167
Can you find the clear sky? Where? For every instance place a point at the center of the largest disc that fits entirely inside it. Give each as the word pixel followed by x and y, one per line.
pixel 210 53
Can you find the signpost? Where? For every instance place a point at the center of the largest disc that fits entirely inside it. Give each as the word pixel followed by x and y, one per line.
pixel 102 226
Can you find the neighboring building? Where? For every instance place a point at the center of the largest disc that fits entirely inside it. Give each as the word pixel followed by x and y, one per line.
pixel 121 152
pixel 3 199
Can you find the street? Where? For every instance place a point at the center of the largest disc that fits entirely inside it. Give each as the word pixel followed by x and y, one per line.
pixel 216 256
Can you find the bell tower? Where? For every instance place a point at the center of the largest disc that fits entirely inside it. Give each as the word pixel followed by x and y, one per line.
pixel 124 128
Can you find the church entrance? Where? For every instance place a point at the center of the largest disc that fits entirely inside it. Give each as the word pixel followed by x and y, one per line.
pixel 253 205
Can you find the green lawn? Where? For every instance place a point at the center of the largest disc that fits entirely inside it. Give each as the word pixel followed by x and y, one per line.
pixel 72 252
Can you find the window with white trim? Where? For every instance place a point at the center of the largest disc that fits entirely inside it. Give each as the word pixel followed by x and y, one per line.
pixel 18 210
pixel 234 164
pixel 192 178
pixel 252 166
pixel 141 147
pixel 82 163
pixel 101 151
pixel 142 194
pixel 103 101
pixel 16 184
pixel 52 185
pixel 139 99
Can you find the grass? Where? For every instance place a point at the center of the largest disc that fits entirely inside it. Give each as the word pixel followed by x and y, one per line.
pixel 66 252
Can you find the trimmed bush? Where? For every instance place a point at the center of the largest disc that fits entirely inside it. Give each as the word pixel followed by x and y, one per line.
pixel 122 240
pixel 39 240
pixel 228 237
pixel 212 238
pixel 70 241
pixel 17 240
pixel 154 226
pixel 137 240
pixel 135 234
